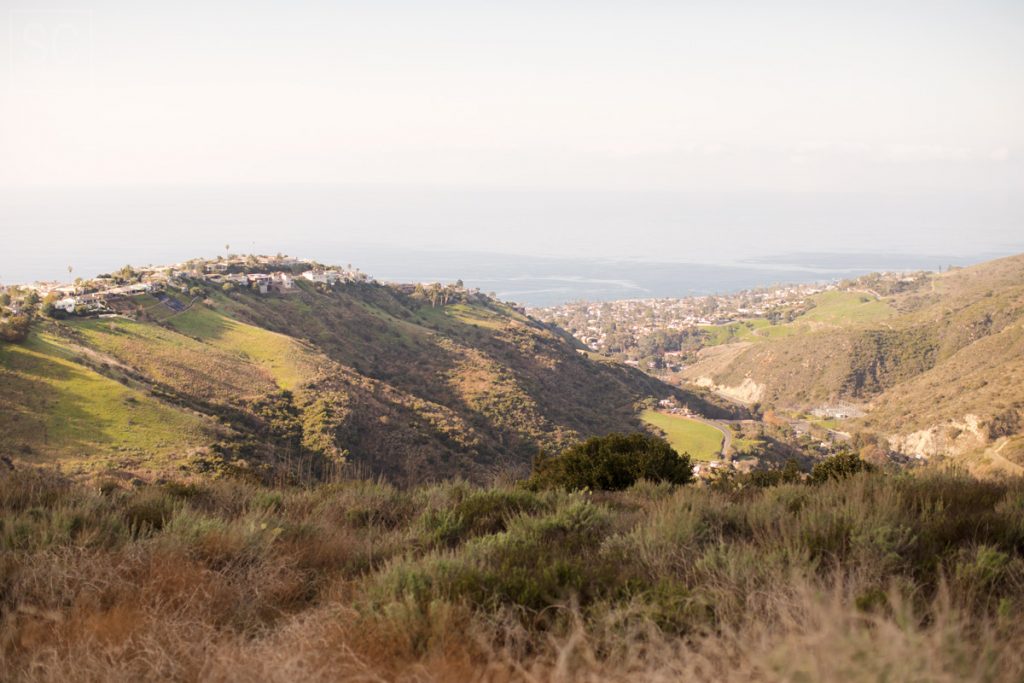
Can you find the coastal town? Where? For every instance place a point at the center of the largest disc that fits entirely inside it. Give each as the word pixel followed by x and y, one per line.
pixel 658 334
pixel 661 334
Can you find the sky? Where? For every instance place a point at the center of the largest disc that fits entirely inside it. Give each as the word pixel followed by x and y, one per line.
pixel 677 129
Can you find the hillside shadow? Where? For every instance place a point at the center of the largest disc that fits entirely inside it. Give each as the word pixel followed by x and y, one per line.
pixel 42 418
pixel 47 364
pixel 201 324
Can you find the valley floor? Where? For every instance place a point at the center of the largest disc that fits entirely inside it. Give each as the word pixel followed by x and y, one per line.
pixel 698 437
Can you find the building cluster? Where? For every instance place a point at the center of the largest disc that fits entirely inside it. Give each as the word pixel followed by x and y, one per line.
pixel 608 326
pixel 672 407
pixel 262 274
pixel 264 283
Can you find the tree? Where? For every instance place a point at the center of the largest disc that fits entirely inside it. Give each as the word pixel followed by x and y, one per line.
pixel 14 329
pixel 435 294
pixel 789 474
pixel 447 293
pixel 610 463
pixel 126 274
pixel 839 466
pixel 49 307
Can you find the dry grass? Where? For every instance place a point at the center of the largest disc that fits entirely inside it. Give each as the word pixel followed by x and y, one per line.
pixel 878 577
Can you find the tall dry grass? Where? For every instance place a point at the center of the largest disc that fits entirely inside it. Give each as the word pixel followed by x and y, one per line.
pixel 877 577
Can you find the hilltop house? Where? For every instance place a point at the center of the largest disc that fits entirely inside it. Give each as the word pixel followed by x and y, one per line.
pixel 281 281
pixel 131 290
pixel 325 277
pixel 259 282
pixel 67 304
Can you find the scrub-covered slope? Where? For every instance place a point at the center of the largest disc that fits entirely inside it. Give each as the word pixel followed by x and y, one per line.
pixel 374 376
pixel 942 374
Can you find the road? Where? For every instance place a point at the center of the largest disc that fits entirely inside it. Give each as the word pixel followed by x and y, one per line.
pixel 720 425
pixel 726 434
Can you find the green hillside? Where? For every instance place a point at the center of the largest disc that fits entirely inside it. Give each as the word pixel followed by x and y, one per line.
pixel 844 308
pixel 359 375
pixel 827 310
pixel 55 407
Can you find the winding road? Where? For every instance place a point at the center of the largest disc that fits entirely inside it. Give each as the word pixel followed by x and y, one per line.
pixel 726 434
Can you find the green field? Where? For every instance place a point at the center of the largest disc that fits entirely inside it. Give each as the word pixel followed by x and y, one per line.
pixel 754 329
pixel 701 441
pixel 831 308
pixel 744 330
pixel 837 308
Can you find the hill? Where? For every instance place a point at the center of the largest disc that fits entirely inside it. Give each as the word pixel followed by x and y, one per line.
pixel 937 368
pixel 380 378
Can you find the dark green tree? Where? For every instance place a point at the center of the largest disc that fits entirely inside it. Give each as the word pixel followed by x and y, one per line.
pixel 611 463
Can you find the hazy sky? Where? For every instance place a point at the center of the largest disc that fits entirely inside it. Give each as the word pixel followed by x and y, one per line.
pixel 900 118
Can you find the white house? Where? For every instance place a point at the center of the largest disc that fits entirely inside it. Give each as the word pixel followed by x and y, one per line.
pixel 67 304
pixel 282 280
pixel 323 277
pixel 259 281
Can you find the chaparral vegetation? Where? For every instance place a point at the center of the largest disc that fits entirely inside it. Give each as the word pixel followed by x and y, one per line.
pixel 853 575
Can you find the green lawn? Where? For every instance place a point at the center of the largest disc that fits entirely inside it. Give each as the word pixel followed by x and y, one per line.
pixel 701 441
pixel 839 308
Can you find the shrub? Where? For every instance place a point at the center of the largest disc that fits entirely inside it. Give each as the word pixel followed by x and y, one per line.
pixel 1006 423
pixel 479 513
pixel 611 463
pixel 537 562
pixel 884 577
pixel 760 478
pixel 839 466
pixel 14 329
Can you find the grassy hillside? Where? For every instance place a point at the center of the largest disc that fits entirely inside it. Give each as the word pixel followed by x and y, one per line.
pixel 872 578
pixel 826 310
pixel 54 407
pixel 844 308
pixel 359 374
pixel 924 359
